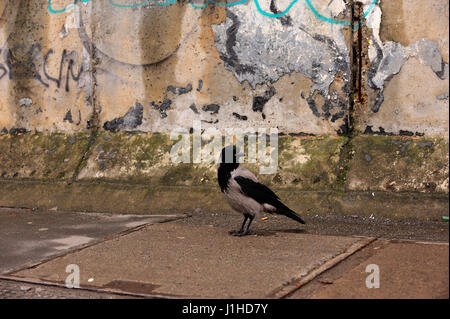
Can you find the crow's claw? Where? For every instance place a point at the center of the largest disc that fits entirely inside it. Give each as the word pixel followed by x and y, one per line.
pixel 240 233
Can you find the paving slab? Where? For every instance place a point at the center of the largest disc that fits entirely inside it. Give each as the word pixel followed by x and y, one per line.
pixel 28 237
pixel 177 260
pixel 10 289
pixel 406 271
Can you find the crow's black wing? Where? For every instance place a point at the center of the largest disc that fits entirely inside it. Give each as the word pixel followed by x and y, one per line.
pixel 264 195
pixel 259 192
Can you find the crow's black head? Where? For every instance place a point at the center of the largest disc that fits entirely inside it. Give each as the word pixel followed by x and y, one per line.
pixel 229 161
pixel 229 155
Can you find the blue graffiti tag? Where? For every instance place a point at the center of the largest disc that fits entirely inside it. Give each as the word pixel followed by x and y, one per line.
pixel 258 7
pixel 68 8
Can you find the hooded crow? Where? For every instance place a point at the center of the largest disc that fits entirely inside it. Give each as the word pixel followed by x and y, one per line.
pixel 245 194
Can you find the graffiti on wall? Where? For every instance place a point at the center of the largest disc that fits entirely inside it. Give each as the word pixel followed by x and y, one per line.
pixel 32 63
pixel 258 41
pixel 204 4
pixel 287 23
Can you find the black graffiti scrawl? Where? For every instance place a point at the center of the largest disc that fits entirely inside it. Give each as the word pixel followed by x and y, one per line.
pixel 129 122
pixel 260 101
pixel 31 63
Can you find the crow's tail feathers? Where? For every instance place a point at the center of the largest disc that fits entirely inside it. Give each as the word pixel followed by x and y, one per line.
pixel 290 213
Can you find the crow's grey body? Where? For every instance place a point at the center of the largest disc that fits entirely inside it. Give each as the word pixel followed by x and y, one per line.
pixel 238 200
pixel 245 194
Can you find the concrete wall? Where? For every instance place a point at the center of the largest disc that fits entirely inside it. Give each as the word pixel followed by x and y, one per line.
pixel 407 76
pixel 98 87
pixel 152 68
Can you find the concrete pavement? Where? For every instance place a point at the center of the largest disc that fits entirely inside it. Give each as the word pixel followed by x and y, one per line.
pixel 28 237
pixel 202 262
pixel 12 289
pixel 194 257
pixel 407 270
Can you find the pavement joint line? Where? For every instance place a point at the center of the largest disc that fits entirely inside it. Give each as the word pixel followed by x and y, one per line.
pixel 83 288
pixel 300 281
pixel 16 208
pixel 34 210
pixel 408 241
pixel 94 242
pixel 419 242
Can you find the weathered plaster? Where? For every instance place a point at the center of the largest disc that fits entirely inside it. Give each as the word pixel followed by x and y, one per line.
pixel 408 70
pixel 260 51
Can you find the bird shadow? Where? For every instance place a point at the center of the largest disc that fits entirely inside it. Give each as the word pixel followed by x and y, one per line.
pixel 273 232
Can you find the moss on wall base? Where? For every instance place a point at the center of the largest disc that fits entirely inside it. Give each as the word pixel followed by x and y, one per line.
pixel 132 173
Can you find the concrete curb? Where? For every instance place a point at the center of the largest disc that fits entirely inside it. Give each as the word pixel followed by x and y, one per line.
pixel 132 198
pixel 300 281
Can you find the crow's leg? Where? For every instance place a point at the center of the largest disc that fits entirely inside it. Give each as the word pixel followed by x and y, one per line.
pixel 240 231
pixel 249 223
pixel 247 231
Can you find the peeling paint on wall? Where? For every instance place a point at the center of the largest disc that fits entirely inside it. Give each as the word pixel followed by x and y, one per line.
pixel 228 65
pixel 261 51
pixel 388 58
pixel 130 121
